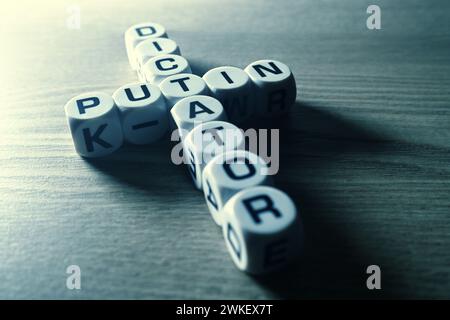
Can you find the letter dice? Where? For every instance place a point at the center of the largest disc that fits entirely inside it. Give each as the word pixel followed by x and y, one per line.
pixel 261 229
pixel 207 140
pixel 274 86
pixel 160 67
pixel 143 111
pixel 233 88
pixel 229 173
pixel 139 32
pixel 94 123
pixel 179 86
pixel 193 110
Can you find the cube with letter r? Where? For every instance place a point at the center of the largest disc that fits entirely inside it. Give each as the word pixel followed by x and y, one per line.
pixel 262 229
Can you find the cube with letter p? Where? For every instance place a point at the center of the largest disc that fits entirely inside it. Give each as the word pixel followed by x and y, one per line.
pixel 94 123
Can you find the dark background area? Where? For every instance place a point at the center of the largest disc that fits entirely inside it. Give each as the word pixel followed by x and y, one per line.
pixel 365 152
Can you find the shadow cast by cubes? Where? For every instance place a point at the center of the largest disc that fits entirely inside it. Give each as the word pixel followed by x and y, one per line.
pixel 310 140
pixel 331 266
pixel 148 168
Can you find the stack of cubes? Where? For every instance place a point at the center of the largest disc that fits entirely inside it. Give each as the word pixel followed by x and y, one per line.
pixel 260 223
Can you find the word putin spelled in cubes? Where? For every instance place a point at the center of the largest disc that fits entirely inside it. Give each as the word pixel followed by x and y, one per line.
pixel 260 224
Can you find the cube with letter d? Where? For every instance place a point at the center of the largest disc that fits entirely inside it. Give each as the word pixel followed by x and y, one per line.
pixel 138 33
pixel 274 86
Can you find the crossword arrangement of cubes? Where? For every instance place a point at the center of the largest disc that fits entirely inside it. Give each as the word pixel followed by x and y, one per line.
pixel 260 224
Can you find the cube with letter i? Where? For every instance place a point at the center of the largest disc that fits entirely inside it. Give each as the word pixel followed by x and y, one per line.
pixel 233 88
pixel 153 47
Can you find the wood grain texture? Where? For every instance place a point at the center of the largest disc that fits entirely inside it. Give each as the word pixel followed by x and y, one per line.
pixel 365 152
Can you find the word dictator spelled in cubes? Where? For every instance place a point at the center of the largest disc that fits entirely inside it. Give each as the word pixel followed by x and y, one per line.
pixel 260 224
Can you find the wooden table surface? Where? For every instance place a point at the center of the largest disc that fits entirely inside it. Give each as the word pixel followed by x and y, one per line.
pixel 365 153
